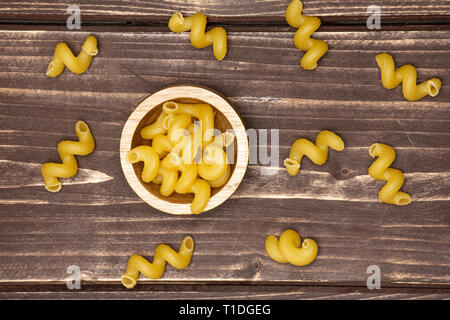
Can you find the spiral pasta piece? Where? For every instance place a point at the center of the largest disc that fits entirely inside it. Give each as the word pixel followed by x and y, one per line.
pixel 391 78
pixel 156 128
pixel 217 37
pixel 67 150
pixel 188 172
pixel 167 179
pixel 202 111
pixel 306 25
pixel 63 56
pixel 214 164
pixel 161 144
pixel 221 180
pixel 380 170
pixel 290 248
pixel 202 193
pixel 154 270
pixel 318 153
pixel 177 127
pixel 150 158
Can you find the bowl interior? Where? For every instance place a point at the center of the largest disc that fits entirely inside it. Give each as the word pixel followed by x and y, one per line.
pixel 220 122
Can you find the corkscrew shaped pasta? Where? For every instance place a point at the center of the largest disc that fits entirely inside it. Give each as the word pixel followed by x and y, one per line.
pixel 290 248
pixel 188 172
pixel 63 56
pixel 391 78
pixel 156 128
pixel 161 144
pixel 167 179
pixel 318 153
pixel 67 150
pixel 306 25
pixel 221 180
pixel 150 158
pixel 214 163
pixel 394 178
pixel 176 127
pixel 202 192
pixel 202 111
pixel 163 253
pixel 217 37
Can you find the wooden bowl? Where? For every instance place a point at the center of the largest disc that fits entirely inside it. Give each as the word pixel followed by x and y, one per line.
pixel 146 113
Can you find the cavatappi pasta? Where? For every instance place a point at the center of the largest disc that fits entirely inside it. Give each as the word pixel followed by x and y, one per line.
pixel 156 128
pixel 67 150
pixel 318 153
pixel 184 157
pixel 154 270
pixel 150 158
pixel 202 111
pixel 306 26
pixel 217 37
pixel 380 170
pixel 391 78
pixel 63 56
pixel 289 248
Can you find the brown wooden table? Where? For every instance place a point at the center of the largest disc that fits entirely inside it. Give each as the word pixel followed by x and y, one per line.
pixel 97 221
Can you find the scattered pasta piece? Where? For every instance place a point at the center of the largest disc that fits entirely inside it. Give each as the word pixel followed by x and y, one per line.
pixel 391 78
pixel 290 249
pixel 306 26
pixel 318 153
pixel 163 253
pixel 217 37
pixel 67 150
pixel 380 170
pixel 63 56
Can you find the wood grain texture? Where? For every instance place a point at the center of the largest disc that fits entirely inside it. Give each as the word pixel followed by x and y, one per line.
pixel 224 11
pixel 97 221
pixel 219 292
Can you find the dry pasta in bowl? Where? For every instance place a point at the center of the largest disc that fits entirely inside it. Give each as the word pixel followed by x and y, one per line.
pixel 184 150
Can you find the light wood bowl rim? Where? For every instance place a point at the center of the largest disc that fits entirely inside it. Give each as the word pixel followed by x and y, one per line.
pixel 185 91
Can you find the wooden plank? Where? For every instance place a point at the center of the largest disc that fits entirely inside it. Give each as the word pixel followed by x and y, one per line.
pixel 219 292
pixel 226 11
pixel 96 221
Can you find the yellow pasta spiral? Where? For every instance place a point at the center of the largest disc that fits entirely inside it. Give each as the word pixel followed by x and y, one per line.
pixel 167 179
pixel 202 193
pixel 217 37
pixel 188 172
pixel 67 150
pixel 391 78
pixel 63 56
pixel 306 25
pixel 290 248
pixel 318 153
pixel 150 157
pixel 163 253
pixel 380 170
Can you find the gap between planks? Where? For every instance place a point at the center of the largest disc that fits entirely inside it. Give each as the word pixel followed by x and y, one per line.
pixel 232 24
